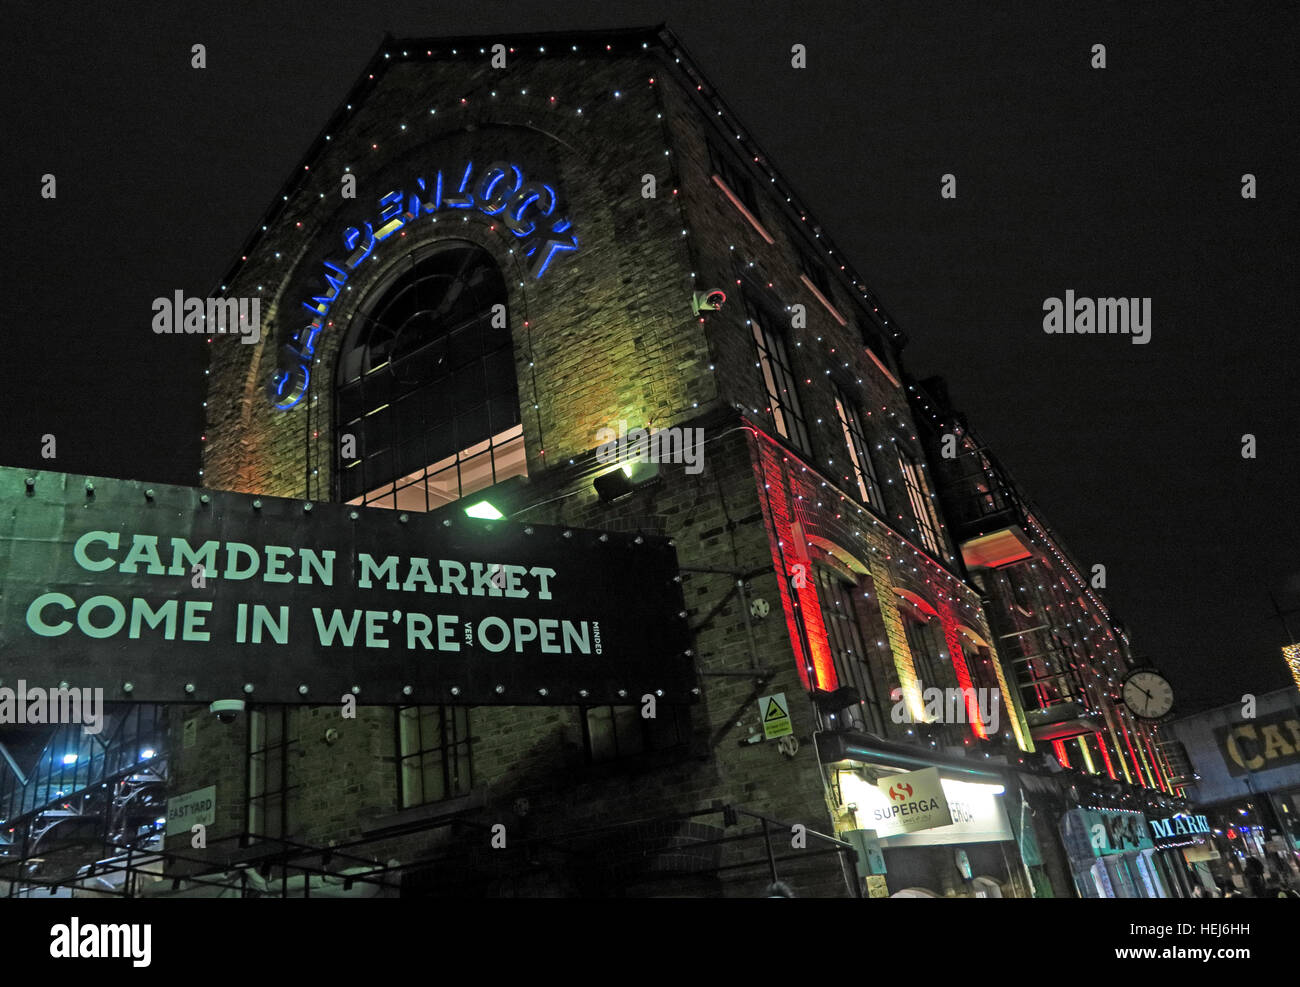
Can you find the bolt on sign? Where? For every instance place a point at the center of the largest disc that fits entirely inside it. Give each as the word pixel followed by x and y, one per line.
pixel 1268 742
pixel 159 593
pixel 197 808
pixel 775 714
pixel 916 801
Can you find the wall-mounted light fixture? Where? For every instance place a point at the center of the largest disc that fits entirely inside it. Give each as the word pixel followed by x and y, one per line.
pixel 620 480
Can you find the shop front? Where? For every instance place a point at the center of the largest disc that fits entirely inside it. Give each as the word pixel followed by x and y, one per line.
pixel 1246 766
pixel 931 828
pixel 1181 843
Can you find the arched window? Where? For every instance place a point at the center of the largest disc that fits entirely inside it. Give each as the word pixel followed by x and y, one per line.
pixel 426 386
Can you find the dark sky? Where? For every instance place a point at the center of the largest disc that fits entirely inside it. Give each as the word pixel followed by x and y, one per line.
pixel 1115 182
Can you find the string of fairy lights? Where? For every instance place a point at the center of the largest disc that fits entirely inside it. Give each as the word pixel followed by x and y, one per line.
pixel 1107 655
pixel 494 91
pixel 617 44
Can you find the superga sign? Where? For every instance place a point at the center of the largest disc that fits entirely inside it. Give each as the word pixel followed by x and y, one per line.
pixel 915 801
pixel 160 593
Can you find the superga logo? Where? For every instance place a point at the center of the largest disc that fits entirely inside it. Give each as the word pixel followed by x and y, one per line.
pixel 96 941
pixel 900 792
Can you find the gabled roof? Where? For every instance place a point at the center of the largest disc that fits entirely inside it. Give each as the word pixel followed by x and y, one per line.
pixel 563 43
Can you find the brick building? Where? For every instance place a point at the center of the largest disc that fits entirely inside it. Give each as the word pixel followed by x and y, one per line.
pixel 498 254
pixel 1067 654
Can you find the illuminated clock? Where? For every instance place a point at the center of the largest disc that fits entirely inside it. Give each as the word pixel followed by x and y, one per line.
pixel 1148 694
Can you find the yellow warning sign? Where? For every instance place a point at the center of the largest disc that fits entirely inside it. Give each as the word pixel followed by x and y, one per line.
pixel 776 717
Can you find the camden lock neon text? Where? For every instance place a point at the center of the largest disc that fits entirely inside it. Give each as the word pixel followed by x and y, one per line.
pixel 525 208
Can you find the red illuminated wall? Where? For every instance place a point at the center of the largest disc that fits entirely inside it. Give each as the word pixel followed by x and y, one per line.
pixel 779 487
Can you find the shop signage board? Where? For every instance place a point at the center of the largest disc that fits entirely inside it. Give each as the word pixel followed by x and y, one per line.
pixel 1268 742
pixel 913 801
pixel 978 816
pixel 1179 829
pixel 775 714
pixel 1107 831
pixel 160 593
pixel 197 808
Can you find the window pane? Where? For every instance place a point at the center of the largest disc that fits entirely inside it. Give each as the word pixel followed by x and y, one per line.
pixel 409 730
pixel 440 380
pixel 412 785
pixel 435 787
pixel 600 733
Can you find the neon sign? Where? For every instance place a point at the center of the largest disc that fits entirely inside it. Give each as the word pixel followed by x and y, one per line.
pixel 526 208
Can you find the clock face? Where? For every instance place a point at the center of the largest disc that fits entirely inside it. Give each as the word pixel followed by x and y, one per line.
pixel 1148 695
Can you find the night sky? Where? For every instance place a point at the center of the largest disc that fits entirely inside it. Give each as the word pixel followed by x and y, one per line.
pixel 1117 182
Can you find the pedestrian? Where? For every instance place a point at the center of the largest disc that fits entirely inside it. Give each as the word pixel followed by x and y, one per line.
pixel 1255 877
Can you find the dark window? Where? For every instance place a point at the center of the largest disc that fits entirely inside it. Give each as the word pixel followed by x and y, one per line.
pixel 269 792
pixel 778 384
pixel 925 641
pixel 864 470
pixel 426 386
pixel 734 177
pixel 918 495
pixel 979 660
pixel 616 732
pixel 844 631
pixel 433 744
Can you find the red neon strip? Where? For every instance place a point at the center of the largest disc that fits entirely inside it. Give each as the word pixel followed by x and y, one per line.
pixel 794 600
pixel 1137 765
pixel 952 638
pixel 1155 763
pixel 1059 747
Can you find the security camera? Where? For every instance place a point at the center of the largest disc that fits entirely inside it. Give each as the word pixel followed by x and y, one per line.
pixel 227 710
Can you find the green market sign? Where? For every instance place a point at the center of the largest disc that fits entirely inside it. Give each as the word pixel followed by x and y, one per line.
pixel 159 593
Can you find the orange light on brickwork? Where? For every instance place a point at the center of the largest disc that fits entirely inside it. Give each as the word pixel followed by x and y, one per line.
pixel 1291 655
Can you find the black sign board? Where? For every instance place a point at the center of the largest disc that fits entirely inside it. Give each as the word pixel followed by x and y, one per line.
pixel 159 593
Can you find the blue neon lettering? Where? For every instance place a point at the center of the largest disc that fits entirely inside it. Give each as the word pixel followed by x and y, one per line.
pixel 523 206
pixel 463 199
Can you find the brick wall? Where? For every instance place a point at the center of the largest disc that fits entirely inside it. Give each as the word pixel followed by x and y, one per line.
pixel 607 335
